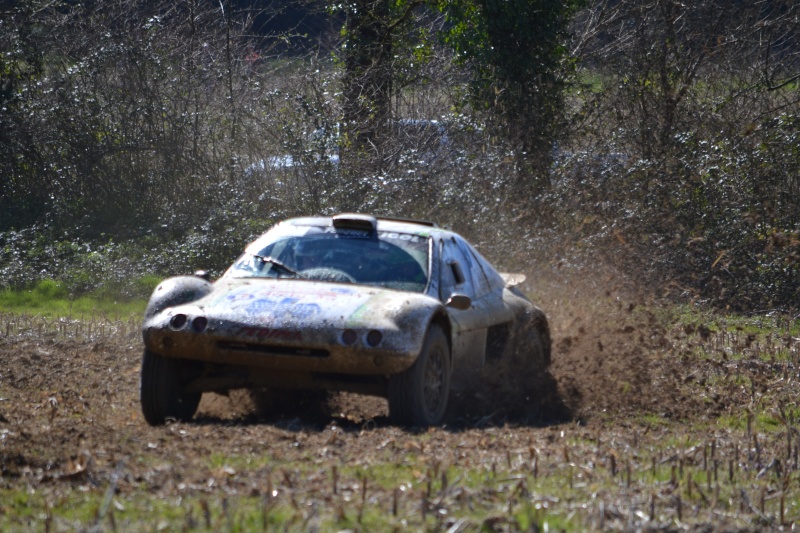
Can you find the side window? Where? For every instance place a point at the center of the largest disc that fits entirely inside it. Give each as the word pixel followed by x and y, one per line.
pixel 479 280
pixel 456 271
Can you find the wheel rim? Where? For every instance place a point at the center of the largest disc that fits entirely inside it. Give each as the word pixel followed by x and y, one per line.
pixel 434 381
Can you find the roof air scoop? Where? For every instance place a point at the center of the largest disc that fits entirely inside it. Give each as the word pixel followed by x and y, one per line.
pixel 355 221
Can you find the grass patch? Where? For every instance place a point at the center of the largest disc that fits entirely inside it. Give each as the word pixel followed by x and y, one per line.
pixel 51 299
pixel 710 336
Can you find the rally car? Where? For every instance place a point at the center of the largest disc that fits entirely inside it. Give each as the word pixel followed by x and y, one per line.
pixel 389 307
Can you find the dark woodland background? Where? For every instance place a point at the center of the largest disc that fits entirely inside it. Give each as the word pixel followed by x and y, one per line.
pixel 656 138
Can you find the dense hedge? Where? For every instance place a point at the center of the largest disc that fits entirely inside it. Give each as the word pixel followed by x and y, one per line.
pixel 147 139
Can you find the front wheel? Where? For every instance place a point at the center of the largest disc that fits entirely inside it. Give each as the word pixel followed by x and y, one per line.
pixel 162 389
pixel 419 395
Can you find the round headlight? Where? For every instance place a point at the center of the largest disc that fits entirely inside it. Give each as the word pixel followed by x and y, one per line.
pixel 349 337
pixel 374 337
pixel 178 321
pixel 199 324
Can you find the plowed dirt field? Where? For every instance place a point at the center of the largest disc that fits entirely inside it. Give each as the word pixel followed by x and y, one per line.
pixel 642 424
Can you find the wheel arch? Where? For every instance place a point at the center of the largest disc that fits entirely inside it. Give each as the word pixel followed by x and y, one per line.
pixel 176 291
pixel 442 320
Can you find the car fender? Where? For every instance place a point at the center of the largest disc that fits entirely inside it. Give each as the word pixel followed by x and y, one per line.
pixel 176 291
pixel 409 316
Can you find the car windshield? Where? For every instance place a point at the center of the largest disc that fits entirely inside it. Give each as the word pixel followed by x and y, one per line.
pixel 392 260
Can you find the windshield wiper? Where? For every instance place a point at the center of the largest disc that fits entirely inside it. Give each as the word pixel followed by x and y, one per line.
pixel 275 263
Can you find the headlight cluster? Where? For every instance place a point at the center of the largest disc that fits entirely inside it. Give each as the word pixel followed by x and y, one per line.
pixel 198 324
pixel 373 337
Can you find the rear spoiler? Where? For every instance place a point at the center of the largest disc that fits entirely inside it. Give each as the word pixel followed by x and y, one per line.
pixel 512 279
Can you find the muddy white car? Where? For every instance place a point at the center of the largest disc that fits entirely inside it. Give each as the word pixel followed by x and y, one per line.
pixel 394 308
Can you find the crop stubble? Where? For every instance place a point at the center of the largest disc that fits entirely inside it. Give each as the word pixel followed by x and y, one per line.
pixel 630 436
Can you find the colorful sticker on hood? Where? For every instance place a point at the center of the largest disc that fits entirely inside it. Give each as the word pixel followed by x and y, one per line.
pixel 368 308
pixel 249 297
pixel 287 306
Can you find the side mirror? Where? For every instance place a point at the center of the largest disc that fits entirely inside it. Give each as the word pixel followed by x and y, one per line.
pixel 203 274
pixel 462 302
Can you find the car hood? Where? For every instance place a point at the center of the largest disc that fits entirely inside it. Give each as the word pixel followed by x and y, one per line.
pixel 292 311
pixel 298 302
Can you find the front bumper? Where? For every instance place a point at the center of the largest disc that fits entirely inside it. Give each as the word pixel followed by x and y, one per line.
pixel 284 350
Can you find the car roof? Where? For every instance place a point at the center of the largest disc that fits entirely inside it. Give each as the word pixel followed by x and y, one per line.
pixel 422 228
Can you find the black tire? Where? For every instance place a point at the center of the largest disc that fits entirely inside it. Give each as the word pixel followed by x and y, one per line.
pixel 162 389
pixel 513 384
pixel 532 348
pixel 418 396
pixel 524 373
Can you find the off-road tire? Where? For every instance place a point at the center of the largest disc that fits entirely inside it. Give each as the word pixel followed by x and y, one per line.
pixel 418 396
pixel 537 358
pixel 162 389
pixel 531 346
pixel 531 356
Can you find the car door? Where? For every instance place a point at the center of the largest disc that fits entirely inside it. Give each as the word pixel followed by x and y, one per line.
pixel 456 276
pixel 489 291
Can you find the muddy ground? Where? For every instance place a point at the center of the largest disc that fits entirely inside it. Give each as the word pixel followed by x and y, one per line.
pixel 70 417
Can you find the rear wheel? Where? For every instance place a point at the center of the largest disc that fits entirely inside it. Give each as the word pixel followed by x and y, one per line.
pixel 535 335
pixel 419 395
pixel 530 357
pixel 162 390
